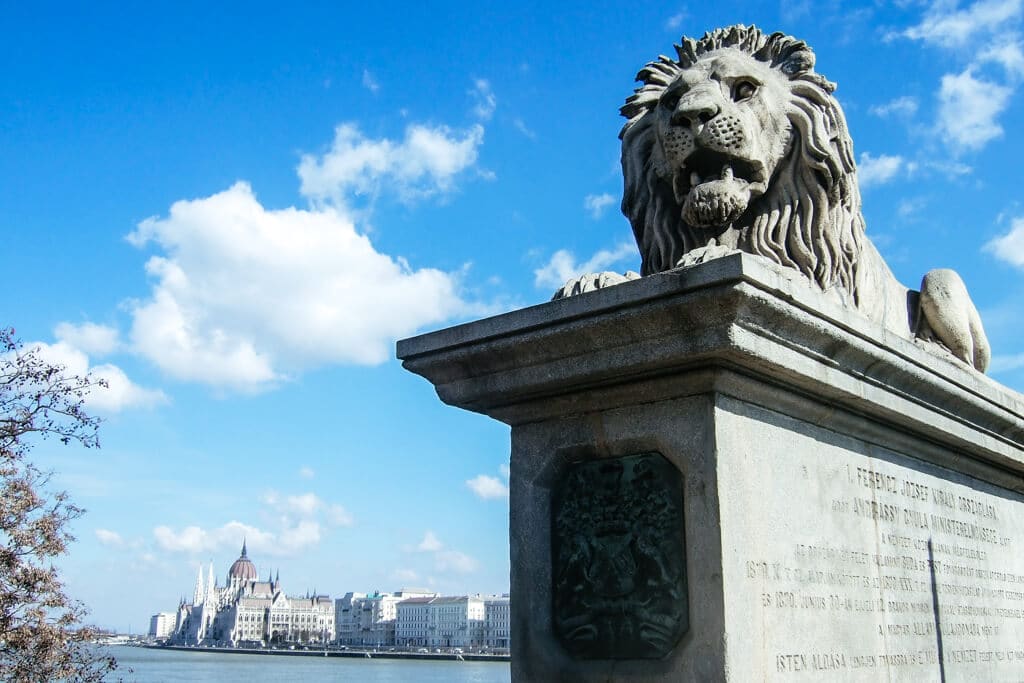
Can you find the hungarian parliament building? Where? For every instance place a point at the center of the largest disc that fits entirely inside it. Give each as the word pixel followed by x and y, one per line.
pixel 249 612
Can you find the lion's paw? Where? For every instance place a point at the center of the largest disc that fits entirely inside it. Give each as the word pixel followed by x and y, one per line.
pixel 703 254
pixel 592 281
pixel 948 316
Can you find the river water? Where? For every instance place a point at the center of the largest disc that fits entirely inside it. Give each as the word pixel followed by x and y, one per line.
pixel 170 666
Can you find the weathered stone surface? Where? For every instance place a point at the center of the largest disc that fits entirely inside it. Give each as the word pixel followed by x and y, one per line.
pixel 620 573
pixel 734 309
pixel 848 560
pixel 738 144
pixel 813 445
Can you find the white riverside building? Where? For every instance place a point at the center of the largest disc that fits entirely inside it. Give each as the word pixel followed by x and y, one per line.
pixel 497 622
pixel 464 621
pixel 369 619
pixel 161 625
pixel 413 618
pixel 250 611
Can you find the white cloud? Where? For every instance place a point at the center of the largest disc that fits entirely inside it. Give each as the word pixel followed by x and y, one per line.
pixel 1001 363
pixel 968 108
pixel 453 560
pixel 339 516
pixel 109 538
pixel 424 164
pixel 191 539
pixel 1009 247
pixel 303 504
pixel 597 204
pixel 370 82
pixel 878 170
pixel 194 540
pixel 407 575
pixel 304 534
pixel 430 543
pixel 969 104
pixel 119 394
pixel 90 338
pixel 562 266
pixel 905 107
pixel 485 100
pixel 445 559
pixel 945 26
pixel 1007 54
pixel 910 207
pixel 675 21
pixel 487 487
pixel 243 295
pixel 306 472
pixel 950 169
pixel 795 10
pixel 308 506
pixel 296 523
pixel 519 125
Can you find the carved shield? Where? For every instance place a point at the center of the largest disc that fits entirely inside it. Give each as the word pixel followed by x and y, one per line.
pixel 619 567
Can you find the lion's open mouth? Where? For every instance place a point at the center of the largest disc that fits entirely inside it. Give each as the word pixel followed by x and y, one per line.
pixel 715 188
pixel 706 165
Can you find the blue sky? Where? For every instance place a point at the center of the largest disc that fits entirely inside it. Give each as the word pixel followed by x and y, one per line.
pixel 233 212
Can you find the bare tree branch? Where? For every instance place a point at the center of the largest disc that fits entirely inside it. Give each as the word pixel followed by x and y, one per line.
pixel 41 633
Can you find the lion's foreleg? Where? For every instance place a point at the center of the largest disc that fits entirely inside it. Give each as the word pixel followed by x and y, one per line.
pixel 949 315
pixel 711 250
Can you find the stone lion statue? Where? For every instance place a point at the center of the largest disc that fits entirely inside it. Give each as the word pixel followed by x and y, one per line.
pixel 737 144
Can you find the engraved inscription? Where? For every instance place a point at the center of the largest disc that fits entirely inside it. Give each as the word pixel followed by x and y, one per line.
pixel 619 567
pixel 925 571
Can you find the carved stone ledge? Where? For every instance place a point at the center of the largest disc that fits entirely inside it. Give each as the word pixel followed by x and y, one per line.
pixel 739 314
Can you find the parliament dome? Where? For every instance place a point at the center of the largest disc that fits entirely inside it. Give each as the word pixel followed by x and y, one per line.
pixel 242 569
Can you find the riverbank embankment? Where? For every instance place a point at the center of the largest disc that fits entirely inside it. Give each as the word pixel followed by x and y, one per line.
pixel 349 653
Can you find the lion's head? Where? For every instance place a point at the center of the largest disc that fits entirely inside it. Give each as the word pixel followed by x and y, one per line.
pixel 739 141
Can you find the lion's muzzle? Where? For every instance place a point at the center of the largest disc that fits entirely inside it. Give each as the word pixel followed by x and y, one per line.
pixel 715 188
pixel 713 161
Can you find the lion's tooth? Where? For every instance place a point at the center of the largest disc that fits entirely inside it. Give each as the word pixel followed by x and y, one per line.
pixel 727 172
pixel 694 179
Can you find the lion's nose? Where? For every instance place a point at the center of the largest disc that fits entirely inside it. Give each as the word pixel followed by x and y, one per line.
pixel 695 109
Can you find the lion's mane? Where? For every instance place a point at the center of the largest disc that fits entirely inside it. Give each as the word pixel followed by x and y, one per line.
pixel 808 219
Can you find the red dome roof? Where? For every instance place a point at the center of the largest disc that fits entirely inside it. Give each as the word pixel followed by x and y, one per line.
pixel 243 568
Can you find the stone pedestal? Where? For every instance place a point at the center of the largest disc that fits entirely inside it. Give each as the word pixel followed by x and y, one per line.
pixel 718 474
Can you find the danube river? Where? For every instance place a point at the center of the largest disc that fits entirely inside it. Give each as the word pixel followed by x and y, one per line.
pixel 168 666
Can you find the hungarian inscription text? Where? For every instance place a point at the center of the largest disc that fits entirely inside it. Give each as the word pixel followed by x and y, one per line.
pixel 926 570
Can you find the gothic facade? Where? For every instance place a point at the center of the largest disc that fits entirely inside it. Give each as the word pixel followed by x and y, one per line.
pixel 249 611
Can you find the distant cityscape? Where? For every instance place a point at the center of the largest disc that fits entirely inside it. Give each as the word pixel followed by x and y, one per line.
pixel 249 613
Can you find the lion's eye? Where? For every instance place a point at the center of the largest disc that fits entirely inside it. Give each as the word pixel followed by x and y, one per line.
pixel 743 90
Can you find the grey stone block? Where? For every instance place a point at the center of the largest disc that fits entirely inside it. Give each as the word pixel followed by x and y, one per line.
pixel 852 504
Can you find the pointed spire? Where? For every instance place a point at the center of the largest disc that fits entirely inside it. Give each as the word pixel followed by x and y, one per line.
pixel 211 585
pixel 199 594
pixel 244 553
